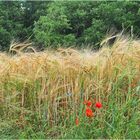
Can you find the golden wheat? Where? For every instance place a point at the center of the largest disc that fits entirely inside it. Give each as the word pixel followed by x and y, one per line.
pixel 66 73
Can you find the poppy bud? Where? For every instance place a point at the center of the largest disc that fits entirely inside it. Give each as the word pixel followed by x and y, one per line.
pixel 88 103
pixel 77 121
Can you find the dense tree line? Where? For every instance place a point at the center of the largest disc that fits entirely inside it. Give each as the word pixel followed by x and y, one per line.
pixel 65 22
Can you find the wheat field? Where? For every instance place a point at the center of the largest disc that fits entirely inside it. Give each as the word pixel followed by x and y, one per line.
pixel 53 84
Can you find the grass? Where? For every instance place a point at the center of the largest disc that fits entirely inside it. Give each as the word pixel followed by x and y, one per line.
pixel 42 93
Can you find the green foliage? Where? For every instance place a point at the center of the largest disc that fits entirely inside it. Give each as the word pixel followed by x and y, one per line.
pixel 86 22
pixel 17 20
pixel 52 29
pixel 10 21
pixel 32 12
pixel 66 22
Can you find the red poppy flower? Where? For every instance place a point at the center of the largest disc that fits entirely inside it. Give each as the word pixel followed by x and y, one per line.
pixel 89 112
pixel 98 105
pixel 88 103
pixel 77 121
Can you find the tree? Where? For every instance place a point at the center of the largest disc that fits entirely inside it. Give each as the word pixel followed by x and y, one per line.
pixel 10 22
pixel 65 22
pixel 85 22
pixel 53 28
pixel 17 20
pixel 32 12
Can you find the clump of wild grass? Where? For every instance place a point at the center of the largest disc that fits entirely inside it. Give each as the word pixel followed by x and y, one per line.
pixel 53 84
